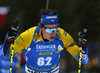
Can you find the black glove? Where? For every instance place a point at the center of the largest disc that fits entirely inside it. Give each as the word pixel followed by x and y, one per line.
pixel 82 36
pixel 13 31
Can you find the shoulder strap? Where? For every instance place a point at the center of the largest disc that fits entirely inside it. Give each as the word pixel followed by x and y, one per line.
pixel 36 33
pixel 58 35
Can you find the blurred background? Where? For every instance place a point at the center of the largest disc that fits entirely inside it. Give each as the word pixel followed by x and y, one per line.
pixel 72 13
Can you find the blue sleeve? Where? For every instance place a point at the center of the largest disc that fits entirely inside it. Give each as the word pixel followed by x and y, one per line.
pixel 84 57
pixel 6 50
pixel 1 49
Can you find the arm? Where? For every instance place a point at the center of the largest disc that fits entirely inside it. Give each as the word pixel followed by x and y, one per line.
pixel 72 48
pixel 10 36
pixel 82 43
pixel 75 52
pixel 21 42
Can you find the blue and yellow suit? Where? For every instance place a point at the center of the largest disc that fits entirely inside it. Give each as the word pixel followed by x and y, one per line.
pixel 44 56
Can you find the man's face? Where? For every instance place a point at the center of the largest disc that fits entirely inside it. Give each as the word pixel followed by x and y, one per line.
pixel 49 31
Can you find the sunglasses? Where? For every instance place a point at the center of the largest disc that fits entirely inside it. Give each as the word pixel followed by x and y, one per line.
pixel 50 30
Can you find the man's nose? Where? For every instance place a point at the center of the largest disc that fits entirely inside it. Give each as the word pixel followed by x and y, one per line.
pixel 53 32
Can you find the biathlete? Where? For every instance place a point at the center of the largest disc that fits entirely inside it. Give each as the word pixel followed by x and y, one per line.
pixel 44 44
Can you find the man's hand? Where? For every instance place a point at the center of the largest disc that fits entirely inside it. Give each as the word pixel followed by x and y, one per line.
pixel 13 31
pixel 82 36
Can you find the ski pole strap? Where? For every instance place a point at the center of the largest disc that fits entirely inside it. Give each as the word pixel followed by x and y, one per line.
pixel 80 58
pixel 11 62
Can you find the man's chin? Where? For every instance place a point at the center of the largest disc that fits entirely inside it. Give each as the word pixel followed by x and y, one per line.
pixel 52 38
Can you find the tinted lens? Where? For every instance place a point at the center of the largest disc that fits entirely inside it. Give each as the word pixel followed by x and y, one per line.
pixel 50 30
